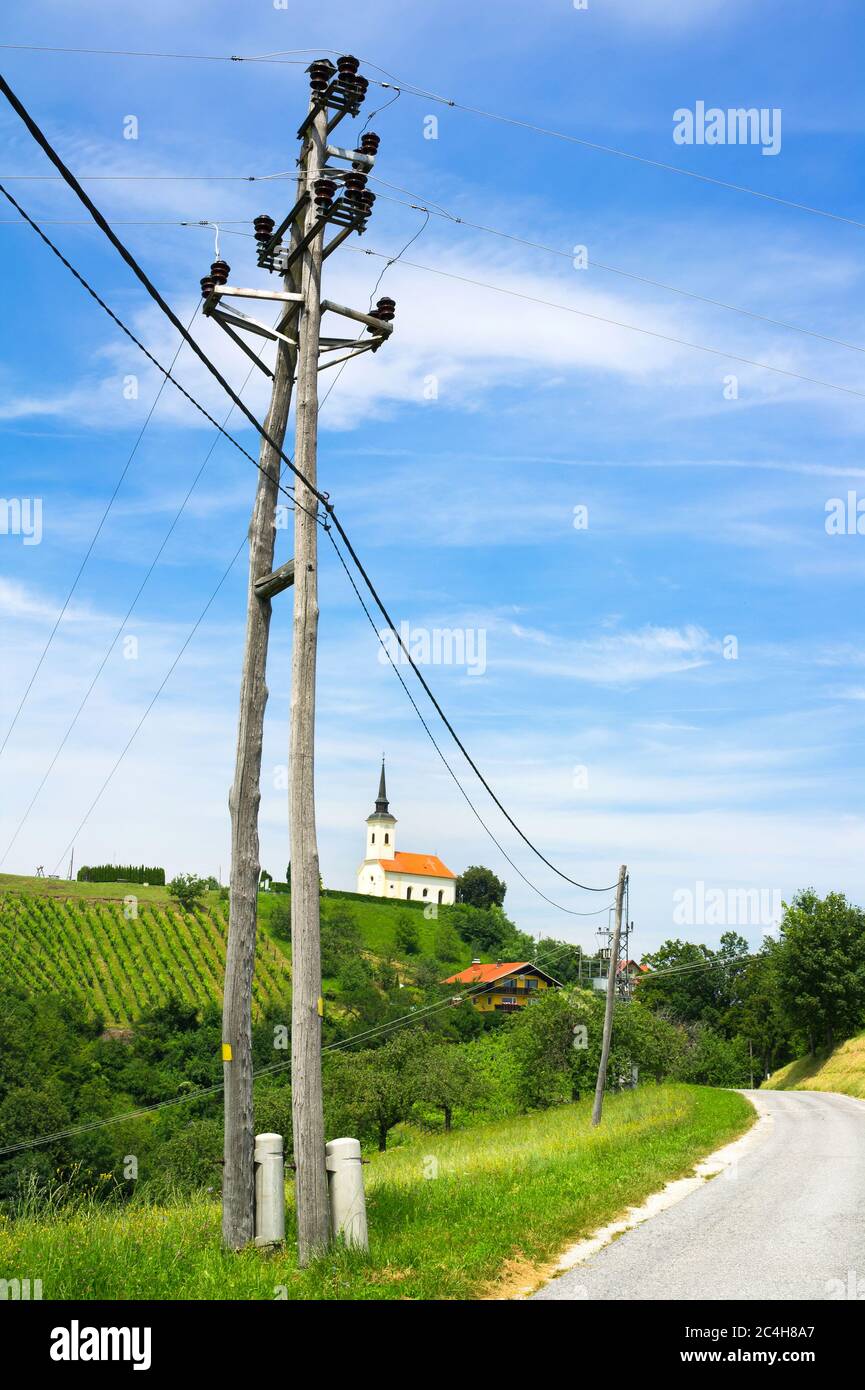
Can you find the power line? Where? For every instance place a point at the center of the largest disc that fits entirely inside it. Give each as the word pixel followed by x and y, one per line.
pixel 87 555
pixel 412 90
pixel 435 210
pixel 593 264
pixel 196 625
pixel 618 323
pixel 475 812
pixel 624 154
pixel 154 293
pixel 413 1017
pixel 125 619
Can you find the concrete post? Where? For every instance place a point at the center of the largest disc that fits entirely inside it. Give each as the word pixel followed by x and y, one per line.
pixel 345 1190
pixel 269 1189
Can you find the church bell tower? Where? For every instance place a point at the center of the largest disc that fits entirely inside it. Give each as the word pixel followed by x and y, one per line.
pixel 381 826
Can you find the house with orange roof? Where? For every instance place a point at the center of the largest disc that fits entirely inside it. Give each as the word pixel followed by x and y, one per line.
pixel 387 872
pixel 503 987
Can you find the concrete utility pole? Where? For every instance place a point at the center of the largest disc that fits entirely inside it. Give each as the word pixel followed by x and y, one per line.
pixel 336 92
pixel 611 996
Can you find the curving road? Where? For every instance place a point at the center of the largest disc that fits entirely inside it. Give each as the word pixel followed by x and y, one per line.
pixel 787 1221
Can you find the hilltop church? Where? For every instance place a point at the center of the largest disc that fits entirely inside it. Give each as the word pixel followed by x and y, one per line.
pixel 387 872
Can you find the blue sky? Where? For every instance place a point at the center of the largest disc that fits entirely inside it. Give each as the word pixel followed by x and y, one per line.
pixel 605 646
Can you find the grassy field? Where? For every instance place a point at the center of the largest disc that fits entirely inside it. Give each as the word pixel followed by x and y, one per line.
pixel 466 1215
pixel 73 938
pixel 841 1070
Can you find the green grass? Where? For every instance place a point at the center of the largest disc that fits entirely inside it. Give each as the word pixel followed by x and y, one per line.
pixel 840 1070
pixel 507 1197
pixel 64 888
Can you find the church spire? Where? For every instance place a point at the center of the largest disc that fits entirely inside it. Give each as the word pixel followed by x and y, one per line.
pixel 381 808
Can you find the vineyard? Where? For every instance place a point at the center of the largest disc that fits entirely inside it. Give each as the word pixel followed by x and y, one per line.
pixel 120 965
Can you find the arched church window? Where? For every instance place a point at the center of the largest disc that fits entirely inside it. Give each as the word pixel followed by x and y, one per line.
pixel 386 838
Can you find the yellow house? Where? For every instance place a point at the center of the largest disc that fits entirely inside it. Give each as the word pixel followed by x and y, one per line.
pixel 503 987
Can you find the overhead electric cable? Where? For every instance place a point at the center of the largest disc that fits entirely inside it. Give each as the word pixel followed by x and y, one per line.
pixel 141 275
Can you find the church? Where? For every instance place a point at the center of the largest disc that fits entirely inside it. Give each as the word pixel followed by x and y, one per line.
pixel 387 872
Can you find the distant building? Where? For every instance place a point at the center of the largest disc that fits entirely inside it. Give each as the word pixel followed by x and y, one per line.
pixel 387 872
pixel 505 986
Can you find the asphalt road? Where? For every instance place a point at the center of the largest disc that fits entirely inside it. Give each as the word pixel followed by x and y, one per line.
pixel 786 1221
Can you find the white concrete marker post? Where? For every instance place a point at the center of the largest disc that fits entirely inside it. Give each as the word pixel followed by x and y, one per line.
pixel 269 1189
pixel 345 1190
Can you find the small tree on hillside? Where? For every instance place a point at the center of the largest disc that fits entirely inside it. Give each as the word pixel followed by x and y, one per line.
pixel 449 1079
pixel 188 890
pixel 407 935
pixel 479 887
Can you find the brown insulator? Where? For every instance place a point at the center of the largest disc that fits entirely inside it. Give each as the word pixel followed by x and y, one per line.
pixel 347 65
pixel 324 191
pixel 263 227
pixel 220 272
pixel 207 286
pixel 385 309
pixel 370 142
pixel 319 76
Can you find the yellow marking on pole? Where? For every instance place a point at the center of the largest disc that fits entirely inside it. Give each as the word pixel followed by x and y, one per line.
pixel 226 1052
pixel 320 1007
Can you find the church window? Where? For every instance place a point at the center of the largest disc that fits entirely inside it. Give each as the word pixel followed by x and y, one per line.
pixel 386 838
pixel 373 837
pixel 441 894
pixel 424 892
pixel 408 892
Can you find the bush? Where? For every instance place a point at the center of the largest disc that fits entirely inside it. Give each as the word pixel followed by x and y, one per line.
pixel 407 936
pixel 188 890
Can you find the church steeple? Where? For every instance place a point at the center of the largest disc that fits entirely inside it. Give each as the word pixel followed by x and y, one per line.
pixel 381 825
pixel 381 808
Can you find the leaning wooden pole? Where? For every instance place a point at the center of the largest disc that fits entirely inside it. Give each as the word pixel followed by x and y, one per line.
pixel 238 1185
pixel 313 1218
pixel 611 998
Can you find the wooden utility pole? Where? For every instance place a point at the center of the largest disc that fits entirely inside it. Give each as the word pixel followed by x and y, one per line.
pixel 313 1215
pixel 611 997
pixel 336 92
pixel 238 1187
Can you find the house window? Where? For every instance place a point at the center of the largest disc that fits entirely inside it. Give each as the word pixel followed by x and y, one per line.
pixel 531 984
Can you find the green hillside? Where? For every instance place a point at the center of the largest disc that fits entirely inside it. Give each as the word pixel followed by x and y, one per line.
pixel 58 936
pixel 842 1070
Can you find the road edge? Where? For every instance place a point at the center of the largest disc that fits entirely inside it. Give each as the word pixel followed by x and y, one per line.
pixel 722 1162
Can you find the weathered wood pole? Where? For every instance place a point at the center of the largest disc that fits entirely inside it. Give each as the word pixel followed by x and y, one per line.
pixel 611 996
pixel 313 1218
pixel 238 1186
